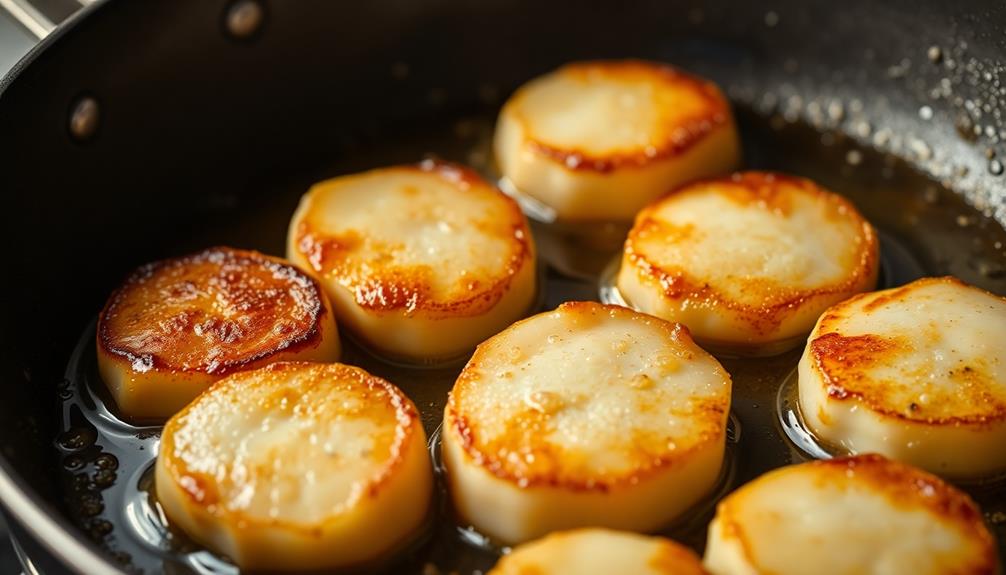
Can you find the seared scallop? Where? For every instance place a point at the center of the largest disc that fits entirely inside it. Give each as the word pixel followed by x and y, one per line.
pixel 176 326
pixel 600 140
pixel 917 373
pixel 850 516
pixel 590 551
pixel 588 415
pixel 747 262
pixel 421 262
pixel 297 466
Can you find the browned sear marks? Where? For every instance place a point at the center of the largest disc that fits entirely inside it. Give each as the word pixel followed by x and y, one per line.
pixel 672 137
pixel 213 312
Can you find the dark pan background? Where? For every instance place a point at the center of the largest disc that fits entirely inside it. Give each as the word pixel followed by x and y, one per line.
pixel 193 122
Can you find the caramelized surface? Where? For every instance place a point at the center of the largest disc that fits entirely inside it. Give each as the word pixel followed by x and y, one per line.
pixel 297 466
pixel 434 239
pixel 309 441
pixel 856 515
pixel 604 115
pixel 597 141
pixel 931 352
pixel 588 397
pixel 749 259
pixel 212 312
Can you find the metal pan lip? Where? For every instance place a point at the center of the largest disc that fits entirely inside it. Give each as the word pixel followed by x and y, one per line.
pixel 20 502
pixel 12 75
pixel 8 79
pixel 40 520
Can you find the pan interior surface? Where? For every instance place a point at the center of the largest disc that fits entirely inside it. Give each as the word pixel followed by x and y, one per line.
pixel 924 230
pixel 206 139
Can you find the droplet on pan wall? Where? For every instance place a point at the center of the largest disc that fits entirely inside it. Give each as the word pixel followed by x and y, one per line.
pixel 991 270
pixel 935 54
pixel 882 137
pixel 863 129
pixel 836 111
pixel 995 167
pixel 77 438
pixel 920 148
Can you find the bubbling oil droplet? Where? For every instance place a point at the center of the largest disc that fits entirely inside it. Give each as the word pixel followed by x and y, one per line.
pixel 77 438
pixel 106 461
pixel 100 528
pixel 90 504
pixel 103 478
pixel 995 167
pixel 73 463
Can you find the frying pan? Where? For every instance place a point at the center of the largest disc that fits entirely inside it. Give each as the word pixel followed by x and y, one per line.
pixel 139 130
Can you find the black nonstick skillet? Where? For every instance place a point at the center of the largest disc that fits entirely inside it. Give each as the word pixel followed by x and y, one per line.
pixel 148 128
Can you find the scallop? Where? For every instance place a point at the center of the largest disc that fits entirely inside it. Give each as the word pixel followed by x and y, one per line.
pixel 589 551
pixel 600 140
pixel 747 262
pixel 859 515
pixel 917 373
pixel 422 262
pixel 176 326
pixel 588 415
pixel 297 466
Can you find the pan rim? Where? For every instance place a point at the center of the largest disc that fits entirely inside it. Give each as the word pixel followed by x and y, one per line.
pixel 39 519
pixel 20 502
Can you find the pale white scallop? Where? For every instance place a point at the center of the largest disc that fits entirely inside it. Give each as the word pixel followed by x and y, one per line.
pixel 421 262
pixel 176 326
pixel 917 373
pixel 297 466
pixel 747 262
pixel 864 515
pixel 588 415
pixel 591 550
pixel 600 140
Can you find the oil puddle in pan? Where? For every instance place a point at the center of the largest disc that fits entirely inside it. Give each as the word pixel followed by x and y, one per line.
pixel 924 230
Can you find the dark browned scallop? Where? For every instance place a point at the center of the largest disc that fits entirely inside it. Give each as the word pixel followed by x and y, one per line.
pixel 177 325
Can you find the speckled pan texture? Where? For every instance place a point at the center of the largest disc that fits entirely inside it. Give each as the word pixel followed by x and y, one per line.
pixel 897 106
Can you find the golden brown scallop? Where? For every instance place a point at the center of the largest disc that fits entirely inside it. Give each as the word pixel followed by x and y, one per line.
pixel 422 262
pixel 748 262
pixel 590 551
pixel 588 415
pixel 863 515
pixel 600 140
pixel 917 373
pixel 177 325
pixel 297 466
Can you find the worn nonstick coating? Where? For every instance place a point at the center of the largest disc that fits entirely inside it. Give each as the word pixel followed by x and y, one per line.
pixel 195 124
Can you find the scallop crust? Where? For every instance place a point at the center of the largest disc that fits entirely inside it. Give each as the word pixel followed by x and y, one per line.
pixel 858 515
pixel 747 262
pixel 176 326
pixel 570 415
pixel 422 262
pixel 297 466
pixel 599 140
pixel 915 373
pixel 590 551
